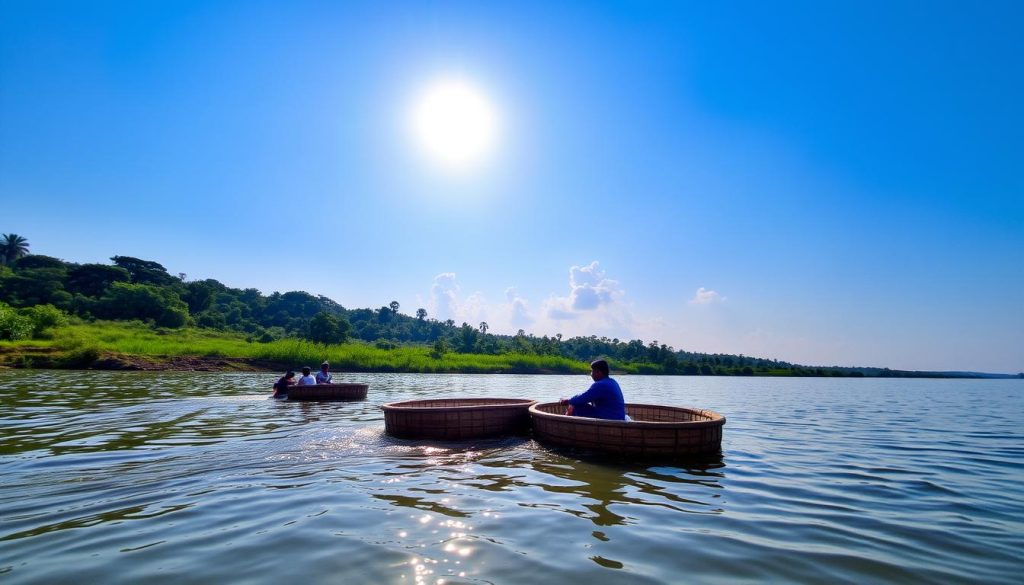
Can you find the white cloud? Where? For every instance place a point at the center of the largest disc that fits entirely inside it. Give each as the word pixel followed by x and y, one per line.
pixel 473 310
pixel 557 311
pixel 445 302
pixel 593 305
pixel 518 310
pixel 444 296
pixel 590 288
pixel 706 297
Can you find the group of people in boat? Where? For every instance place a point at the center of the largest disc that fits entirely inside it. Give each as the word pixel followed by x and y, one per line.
pixel 322 377
pixel 602 400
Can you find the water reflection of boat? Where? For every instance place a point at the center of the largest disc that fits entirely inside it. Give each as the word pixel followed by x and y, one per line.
pixel 457 418
pixel 654 431
pixel 598 490
pixel 328 392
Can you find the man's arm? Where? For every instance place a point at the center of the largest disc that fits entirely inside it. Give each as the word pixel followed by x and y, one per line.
pixel 592 394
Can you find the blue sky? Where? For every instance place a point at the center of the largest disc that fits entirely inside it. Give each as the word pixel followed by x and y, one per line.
pixel 825 183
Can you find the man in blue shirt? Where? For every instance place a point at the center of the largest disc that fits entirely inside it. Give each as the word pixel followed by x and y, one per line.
pixel 602 400
pixel 323 376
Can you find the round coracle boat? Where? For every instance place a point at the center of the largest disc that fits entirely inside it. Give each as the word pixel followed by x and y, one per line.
pixel 654 431
pixel 328 392
pixel 457 419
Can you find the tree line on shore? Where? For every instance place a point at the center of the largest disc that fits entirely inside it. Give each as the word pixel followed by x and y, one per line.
pixel 38 292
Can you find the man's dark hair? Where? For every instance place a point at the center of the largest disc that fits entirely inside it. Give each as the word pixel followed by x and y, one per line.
pixel 305 371
pixel 600 366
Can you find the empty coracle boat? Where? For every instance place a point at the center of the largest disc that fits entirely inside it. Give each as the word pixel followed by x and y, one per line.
pixel 457 419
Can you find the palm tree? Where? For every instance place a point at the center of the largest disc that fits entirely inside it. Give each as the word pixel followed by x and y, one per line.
pixel 484 327
pixel 12 247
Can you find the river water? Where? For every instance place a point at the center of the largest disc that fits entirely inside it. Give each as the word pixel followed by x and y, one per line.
pixel 109 477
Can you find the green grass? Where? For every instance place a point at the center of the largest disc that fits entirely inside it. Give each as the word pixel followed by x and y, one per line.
pixel 138 339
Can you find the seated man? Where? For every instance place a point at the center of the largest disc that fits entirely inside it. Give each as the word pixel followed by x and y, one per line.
pixel 602 400
pixel 323 376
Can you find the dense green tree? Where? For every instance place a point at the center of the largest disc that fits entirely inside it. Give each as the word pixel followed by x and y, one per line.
pixel 370 330
pixel 211 320
pixel 466 338
pixel 326 328
pixel 671 363
pixel 520 343
pixel 393 305
pixel 143 301
pixel 39 261
pixel 145 271
pixel 199 294
pixel 385 315
pixel 292 310
pixel 92 280
pixel 36 286
pixel 421 314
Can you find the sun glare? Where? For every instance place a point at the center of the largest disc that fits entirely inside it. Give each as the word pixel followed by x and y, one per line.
pixel 454 123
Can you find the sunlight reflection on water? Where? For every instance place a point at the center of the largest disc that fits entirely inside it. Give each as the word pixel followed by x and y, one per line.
pixel 123 477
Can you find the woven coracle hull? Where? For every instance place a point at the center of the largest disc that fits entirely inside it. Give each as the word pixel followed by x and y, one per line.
pixel 655 431
pixel 328 392
pixel 457 419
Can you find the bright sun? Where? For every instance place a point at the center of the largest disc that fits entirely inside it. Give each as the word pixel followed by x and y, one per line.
pixel 455 123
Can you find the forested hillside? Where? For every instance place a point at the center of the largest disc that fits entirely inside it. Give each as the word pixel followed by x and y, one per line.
pixel 39 291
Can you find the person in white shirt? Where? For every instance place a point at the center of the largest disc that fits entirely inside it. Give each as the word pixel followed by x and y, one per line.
pixel 306 379
pixel 323 376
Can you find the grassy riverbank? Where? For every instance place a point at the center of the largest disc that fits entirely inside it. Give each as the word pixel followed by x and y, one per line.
pixel 117 345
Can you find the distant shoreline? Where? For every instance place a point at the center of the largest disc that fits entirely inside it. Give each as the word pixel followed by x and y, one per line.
pixel 31 357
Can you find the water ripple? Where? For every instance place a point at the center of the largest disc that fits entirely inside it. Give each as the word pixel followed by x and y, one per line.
pixel 126 477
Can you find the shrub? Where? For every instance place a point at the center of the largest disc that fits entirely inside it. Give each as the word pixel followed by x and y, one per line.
pixel 173 317
pixel 14 326
pixel 439 349
pixel 45 317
